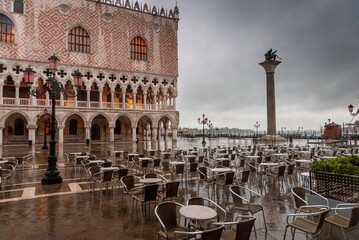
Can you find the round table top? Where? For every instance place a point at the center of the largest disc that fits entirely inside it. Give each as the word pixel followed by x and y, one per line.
pixel 305 174
pixel 221 159
pixel 269 164
pixel 177 163
pixel 144 158
pixel 197 212
pixel 5 161
pixel 82 156
pixel 109 168
pixel 252 156
pixel 221 169
pixel 280 154
pixel 328 157
pixel 302 161
pixel 132 154
pixel 97 161
pixel 150 180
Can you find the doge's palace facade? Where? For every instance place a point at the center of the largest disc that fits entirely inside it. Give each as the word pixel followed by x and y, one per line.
pixel 126 51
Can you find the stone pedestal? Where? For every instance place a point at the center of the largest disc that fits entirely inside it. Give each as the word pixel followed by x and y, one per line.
pixel 269 66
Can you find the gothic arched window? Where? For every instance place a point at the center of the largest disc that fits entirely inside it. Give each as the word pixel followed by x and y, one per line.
pixel 138 49
pixel 18 6
pixel 73 127
pixel 19 127
pixel 7 29
pixel 79 40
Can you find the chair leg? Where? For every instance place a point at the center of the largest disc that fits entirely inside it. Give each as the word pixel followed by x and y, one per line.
pixel 265 223
pixel 345 237
pixel 285 232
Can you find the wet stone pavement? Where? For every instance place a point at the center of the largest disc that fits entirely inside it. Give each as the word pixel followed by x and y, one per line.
pixel 29 210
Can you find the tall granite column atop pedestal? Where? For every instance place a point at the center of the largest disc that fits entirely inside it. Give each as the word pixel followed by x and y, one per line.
pixel 270 66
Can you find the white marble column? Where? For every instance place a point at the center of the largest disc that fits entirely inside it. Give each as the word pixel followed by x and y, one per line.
pixel 112 98
pixel 75 101
pixel 100 102
pixel 88 97
pixel 174 103
pixel 1 136
pixel 47 102
pixel 134 99
pixel 166 134
pixel 1 93
pixel 32 130
pixel 61 134
pixel 154 134
pixel 145 101
pixel 174 133
pixel 87 133
pixel 17 98
pixel 124 100
pixel 61 100
pixel 112 134
pixel 134 136
pixel 155 102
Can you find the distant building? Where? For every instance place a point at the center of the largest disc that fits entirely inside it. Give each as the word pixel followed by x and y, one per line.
pixel 126 51
pixel 332 131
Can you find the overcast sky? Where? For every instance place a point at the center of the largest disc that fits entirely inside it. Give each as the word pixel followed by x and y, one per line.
pixel 221 43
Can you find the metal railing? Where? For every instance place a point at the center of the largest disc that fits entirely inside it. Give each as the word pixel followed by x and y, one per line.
pixel 94 104
pixel 81 103
pixel 106 105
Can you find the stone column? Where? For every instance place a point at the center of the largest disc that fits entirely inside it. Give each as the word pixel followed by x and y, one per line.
pixel 174 133
pixel 75 100
pixel 1 136
pixel 1 93
pixel 155 102
pixel 88 97
pixel 166 133
pixel 32 130
pixel 87 133
pixel 145 101
pixel 134 134
pixel 61 100
pixel 124 100
pixel 112 98
pixel 47 101
pixel 17 98
pixel 100 91
pixel 269 67
pixel 154 134
pixel 112 133
pixel 61 134
pixel 134 99
pixel 174 103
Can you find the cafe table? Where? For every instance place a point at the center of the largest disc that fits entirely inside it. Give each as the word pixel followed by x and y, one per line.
pixel 150 180
pixel 197 213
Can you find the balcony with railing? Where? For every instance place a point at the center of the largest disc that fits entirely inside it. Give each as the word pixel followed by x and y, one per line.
pixel 84 104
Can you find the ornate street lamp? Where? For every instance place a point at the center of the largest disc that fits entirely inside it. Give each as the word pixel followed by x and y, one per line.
pixel 45 121
pixel 54 88
pixel 351 108
pixel 256 126
pixel 203 122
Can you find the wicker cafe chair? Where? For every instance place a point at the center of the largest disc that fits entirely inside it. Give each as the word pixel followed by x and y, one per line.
pixel 4 175
pixel 168 215
pixel 302 223
pixel 299 195
pixel 149 195
pixel 346 224
pixel 245 205
pixel 242 231
pixel 210 234
pixel 203 177
pixel 171 191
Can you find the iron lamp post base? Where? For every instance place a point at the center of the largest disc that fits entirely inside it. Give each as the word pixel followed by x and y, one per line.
pixel 51 178
pixel 45 146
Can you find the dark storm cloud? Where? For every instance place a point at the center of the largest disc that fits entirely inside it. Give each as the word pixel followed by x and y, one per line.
pixel 222 42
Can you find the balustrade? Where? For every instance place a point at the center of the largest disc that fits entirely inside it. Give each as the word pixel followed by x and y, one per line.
pixel 93 104
pixel 10 101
